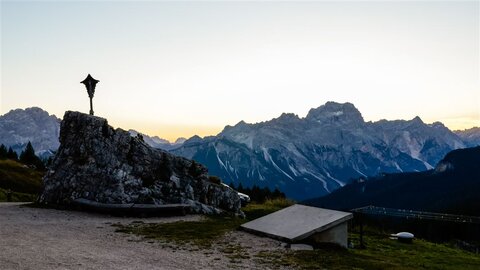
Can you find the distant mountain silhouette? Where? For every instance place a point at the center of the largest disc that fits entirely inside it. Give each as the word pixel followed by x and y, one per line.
pixel 452 187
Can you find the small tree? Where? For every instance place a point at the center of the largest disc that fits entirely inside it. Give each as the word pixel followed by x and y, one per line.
pixel 277 194
pixel 240 188
pixel 193 170
pixel 28 157
pixel 12 154
pixel 3 152
pixel 215 179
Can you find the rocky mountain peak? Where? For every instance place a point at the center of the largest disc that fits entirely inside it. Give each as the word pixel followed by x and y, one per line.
pixel 417 121
pixel 32 113
pixel 438 125
pixel 98 163
pixel 287 118
pixel 19 126
pixel 333 112
pixel 241 126
pixel 194 139
pixel 180 140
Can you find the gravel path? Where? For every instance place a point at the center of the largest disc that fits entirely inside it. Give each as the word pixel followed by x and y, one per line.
pixel 33 238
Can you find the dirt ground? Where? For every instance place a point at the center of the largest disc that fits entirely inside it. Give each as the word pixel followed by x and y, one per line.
pixel 33 238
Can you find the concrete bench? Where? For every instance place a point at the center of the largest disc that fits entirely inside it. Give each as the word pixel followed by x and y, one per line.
pixel 131 209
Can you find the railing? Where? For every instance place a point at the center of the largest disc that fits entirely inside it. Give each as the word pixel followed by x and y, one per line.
pixel 418 215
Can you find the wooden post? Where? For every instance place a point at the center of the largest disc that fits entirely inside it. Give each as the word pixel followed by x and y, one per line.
pixel 91 106
pixel 362 245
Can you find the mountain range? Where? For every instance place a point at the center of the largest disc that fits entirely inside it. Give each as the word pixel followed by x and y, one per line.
pixel 304 157
pixel 452 187
pixel 312 156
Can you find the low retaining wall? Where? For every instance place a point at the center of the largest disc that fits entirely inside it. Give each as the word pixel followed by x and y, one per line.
pixel 131 209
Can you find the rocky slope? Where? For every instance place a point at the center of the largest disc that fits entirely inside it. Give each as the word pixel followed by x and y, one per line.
pixel 312 156
pixel 98 163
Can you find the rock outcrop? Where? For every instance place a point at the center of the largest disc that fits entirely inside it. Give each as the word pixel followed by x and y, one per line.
pixel 97 163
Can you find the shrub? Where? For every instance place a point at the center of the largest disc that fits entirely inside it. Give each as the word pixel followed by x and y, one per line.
pixel 215 179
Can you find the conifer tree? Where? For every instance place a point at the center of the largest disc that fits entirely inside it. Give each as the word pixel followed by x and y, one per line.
pixel 240 188
pixel 12 154
pixel 28 157
pixel 3 152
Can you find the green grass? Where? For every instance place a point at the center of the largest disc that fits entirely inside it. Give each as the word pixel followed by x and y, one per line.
pixel 381 253
pixel 419 254
pixel 255 210
pixel 24 182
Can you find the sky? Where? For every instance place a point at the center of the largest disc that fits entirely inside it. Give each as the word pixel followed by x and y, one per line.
pixel 176 69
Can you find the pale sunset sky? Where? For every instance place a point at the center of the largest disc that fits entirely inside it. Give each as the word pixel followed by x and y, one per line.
pixel 172 68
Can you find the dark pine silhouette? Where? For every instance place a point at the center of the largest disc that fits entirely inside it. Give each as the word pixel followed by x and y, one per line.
pixel 28 157
pixel 12 154
pixel 258 194
pixel 3 152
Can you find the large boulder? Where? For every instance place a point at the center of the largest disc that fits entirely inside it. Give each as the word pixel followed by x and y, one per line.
pixel 101 164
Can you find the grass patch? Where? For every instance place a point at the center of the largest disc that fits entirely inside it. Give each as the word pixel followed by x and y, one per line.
pixel 200 233
pixel 235 252
pixel 381 253
pixel 17 196
pixel 19 178
pixel 420 254
pixel 256 210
